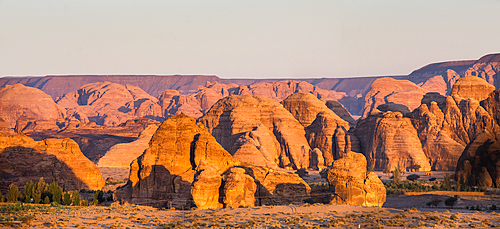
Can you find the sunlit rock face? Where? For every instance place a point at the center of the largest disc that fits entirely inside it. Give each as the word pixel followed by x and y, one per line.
pixel 19 101
pixel 56 160
pixel 231 119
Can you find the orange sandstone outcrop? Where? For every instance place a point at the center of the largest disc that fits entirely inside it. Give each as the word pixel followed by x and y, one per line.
pixel 18 101
pixel 238 189
pixel 109 104
pixel 205 187
pixel 387 89
pixel 390 140
pixel 236 116
pixel 320 124
pixel 487 68
pixel 472 87
pixel 56 160
pixel 164 173
pixel 351 184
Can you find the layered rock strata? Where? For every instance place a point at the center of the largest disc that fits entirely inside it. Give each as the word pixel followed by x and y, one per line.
pixel 233 117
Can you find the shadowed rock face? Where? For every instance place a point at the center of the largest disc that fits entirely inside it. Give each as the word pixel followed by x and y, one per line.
pixel 487 68
pixel 235 116
pixel 389 139
pixel 165 171
pixel 352 185
pixel 110 104
pixel 20 101
pixel 56 160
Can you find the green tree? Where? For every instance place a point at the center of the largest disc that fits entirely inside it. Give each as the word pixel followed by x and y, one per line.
pixel 13 194
pixel 55 192
pixel 28 191
pixel 38 190
pixel 67 198
pixel 98 197
pixel 450 201
pixel 397 174
pixel 85 202
pixel 446 185
pixel 46 200
pixel 76 198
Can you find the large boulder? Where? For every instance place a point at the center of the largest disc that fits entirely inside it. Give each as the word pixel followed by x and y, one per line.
pixel 56 160
pixel 205 187
pixel 390 140
pixel 351 184
pixel 110 104
pixel 18 101
pixel 238 189
pixel 236 116
pixel 164 173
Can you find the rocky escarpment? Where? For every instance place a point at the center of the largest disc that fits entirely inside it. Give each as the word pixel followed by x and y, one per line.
pixel 350 183
pixel 487 68
pixel 56 160
pixel 321 124
pixel 234 120
pixel 386 90
pixel 18 101
pixel 389 140
pixel 109 104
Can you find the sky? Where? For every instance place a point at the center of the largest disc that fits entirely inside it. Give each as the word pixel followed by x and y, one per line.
pixel 242 39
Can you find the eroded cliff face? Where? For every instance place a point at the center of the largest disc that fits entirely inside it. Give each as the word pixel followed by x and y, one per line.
pixel 487 68
pixel 389 140
pixel 56 160
pixel 109 104
pixel 233 117
pixel 472 87
pixel 322 125
pixel 18 101
pixel 164 173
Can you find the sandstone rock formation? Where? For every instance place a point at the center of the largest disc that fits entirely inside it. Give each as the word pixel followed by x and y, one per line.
pixel 278 187
pixel 387 89
pixel 56 160
pixel 390 140
pixel 320 124
pixel 164 173
pixel 18 101
pixel 5 128
pixel 340 110
pixel 472 87
pixel 195 105
pixel 351 184
pixel 235 116
pixel 440 77
pixel 121 155
pixel 487 68
pixel 238 189
pixel 110 104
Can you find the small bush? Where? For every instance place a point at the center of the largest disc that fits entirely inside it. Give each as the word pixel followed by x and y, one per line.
pixel 432 179
pixel 67 199
pixel 76 198
pixel 46 200
pixel 450 201
pixel 413 177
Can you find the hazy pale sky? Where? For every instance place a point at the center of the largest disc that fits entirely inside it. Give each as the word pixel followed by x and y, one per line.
pixel 242 39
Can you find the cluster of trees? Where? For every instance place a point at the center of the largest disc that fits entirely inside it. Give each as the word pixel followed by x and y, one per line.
pixel 41 192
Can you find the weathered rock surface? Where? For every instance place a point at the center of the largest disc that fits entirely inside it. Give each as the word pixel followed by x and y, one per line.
pixel 387 89
pixel 472 87
pixel 164 173
pixel 195 105
pixel 18 101
pixel 238 189
pixel 440 77
pixel 110 104
pixel 56 160
pixel 487 68
pixel 352 185
pixel 121 155
pixel 390 140
pixel 5 128
pixel 235 116
pixel 205 187
pixel 340 110
pixel 319 121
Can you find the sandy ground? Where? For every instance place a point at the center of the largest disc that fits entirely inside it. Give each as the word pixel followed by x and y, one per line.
pixel 290 216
